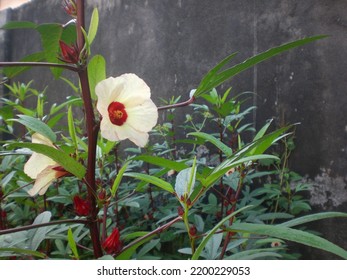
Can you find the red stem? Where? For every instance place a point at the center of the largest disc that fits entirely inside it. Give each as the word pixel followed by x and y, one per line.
pixel 92 133
pixel 182 104
pixel 22 228
pixel 40 64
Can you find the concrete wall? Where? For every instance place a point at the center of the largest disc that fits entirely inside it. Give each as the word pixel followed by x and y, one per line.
pixel 172 43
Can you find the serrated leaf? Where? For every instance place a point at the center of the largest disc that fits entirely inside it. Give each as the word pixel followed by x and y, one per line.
pixel 152 180
pixel 96 72
pixel 37 126
pixel 58 156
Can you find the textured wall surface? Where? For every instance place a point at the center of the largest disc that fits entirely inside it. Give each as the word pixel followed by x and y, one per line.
pixel 172 43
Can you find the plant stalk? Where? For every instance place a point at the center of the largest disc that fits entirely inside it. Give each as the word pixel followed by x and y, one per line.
pixel 92 134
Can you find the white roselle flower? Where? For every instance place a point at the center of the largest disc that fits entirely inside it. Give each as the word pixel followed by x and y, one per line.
pixel 126 108
pixel 42 168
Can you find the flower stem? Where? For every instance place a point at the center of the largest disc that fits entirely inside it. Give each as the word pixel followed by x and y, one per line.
pixel 92 133
pixel 181 104
pixel 22 228
pixel 156 231
pixel 39 64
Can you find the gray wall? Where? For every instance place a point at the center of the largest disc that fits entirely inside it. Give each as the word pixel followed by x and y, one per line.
pixel 172 43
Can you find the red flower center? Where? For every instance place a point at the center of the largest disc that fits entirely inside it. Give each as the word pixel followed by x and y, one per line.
pixel 117 113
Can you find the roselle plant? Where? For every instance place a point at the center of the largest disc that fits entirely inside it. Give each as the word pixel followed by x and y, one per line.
pixel 74 190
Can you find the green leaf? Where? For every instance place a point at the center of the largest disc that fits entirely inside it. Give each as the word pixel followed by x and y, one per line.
pixel 255 254
pixel 214 79
pixel 93 27
pixel 263 143
pixel 72 129
pixel 226 165
pixel 119 177
pixel 72 243
pixel 312 218
pixel 50 36
pixel 262 131
pixel 24 252
pixel 37 235
pixel 11 72
pixel 290 234
pixel 152 180
pixel 203 87
pixel 128 252
pixel 19 25
pixel 96 72
pixel 37 126
pixel 185 181
pixel 162 162
pixel 219 144
pixel 204 241
pixel 58 156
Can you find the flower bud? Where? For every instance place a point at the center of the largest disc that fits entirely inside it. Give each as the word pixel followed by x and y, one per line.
pixel 82 207
pixel 180 211
pixel 112 244
pixel 70 7
pixel 69 54
pixel 193 231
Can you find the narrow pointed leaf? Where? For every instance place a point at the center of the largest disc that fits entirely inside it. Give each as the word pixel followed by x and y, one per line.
pixel 220 77
pixel 37 126
pixel 204 241
pixel 313 217
pixel 71 126
pixel 118 179
pixel 96 72
pixel 93 27
pixel 162 162
pixel 58 156
pixel 37 235
pixel 72 243
pixel 290 234
pixel 152 180
pixel 219 144
pixel 19 25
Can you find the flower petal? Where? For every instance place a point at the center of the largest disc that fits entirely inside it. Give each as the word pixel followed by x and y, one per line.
pixel 40 139
pixel 125 131
pixel 44 180
pixel 38 162
pixel 108 130
pixel 135 91
pixel 108 91
pixel 143 117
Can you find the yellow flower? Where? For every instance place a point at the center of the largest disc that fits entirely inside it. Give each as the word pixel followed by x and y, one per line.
pixel 126 108
pixel 42 168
